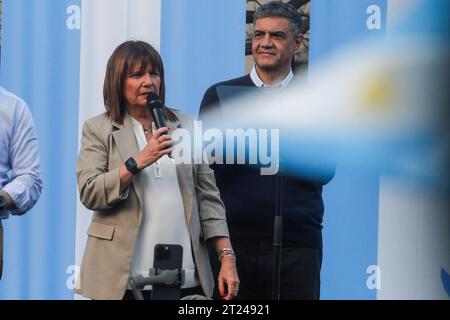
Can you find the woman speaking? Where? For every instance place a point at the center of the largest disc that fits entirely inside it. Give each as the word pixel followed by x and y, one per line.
pixel 139 195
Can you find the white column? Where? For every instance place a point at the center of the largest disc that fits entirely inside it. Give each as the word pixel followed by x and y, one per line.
pixel 413 241
pixel 144 21
pixel 414 223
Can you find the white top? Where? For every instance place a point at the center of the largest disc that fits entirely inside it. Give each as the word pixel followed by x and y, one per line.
pixel 164 220
pixel 259 83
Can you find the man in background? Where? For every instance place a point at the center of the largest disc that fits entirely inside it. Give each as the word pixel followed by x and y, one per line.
pixel 20 181
pixel 250 197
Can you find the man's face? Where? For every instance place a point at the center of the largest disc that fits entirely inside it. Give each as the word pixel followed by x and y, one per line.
pixel 274 44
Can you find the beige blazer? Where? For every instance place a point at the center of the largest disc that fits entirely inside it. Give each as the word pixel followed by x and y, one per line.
pixel 113 232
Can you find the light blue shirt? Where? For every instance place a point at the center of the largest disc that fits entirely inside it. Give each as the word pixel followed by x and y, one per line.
pixel 19 154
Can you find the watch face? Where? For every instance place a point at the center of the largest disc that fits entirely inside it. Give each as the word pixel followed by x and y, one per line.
pixel 131 163
pixel 132 166
pixel 2 201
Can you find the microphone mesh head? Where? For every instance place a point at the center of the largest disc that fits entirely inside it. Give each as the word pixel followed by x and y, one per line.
pixel 153 100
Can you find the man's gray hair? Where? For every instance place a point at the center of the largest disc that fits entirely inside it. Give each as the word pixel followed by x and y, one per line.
pixel 282 10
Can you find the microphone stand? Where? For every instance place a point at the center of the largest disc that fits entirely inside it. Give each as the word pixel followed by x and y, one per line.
pixel 277 236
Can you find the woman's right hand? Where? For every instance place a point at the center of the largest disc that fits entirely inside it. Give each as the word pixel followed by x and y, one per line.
pixel 158 145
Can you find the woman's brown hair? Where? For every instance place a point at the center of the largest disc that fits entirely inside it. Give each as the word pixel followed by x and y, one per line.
pixel 127 56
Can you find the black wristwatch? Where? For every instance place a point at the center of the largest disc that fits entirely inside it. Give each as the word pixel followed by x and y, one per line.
pixel 2 201
pixel 132 166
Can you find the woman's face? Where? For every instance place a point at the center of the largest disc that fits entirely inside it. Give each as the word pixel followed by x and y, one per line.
pixel 139 83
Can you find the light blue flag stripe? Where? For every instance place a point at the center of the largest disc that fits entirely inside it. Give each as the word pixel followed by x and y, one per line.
pixel 351 199
pixel 202 42
pixel 40 63
pixel 337 23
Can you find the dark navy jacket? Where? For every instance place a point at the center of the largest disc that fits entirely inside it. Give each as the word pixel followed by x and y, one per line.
pixel 250 197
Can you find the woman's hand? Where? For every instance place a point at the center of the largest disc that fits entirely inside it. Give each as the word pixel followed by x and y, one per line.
pixel 228 278
pixel 158 145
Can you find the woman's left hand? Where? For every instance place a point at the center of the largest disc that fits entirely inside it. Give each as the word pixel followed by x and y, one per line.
pixel 228 278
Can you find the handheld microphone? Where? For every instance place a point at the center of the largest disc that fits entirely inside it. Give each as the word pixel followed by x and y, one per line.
pixel 155 107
